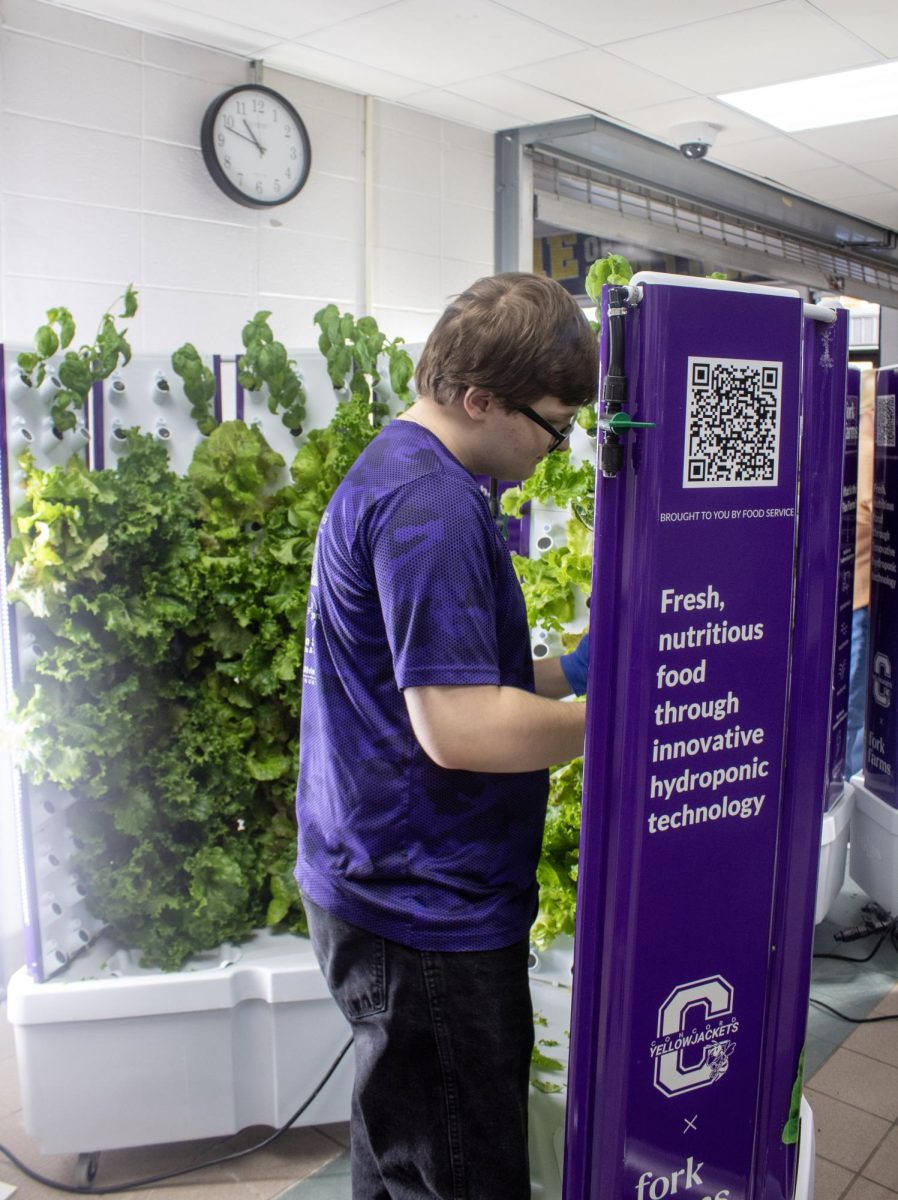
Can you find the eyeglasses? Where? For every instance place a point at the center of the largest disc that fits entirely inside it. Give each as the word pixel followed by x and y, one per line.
pixel 559 435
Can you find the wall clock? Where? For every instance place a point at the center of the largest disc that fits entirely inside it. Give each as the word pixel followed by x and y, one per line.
pixel 255 146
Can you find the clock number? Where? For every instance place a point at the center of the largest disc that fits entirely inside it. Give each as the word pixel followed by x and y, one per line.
pixel 289 173
pixel 227 160
pixel 220 139
pixel 240 179
pixel 293 152
pixel 275 110
pixel 288 131
pixel 229 122
pixel 258 105
pixel 277 187
pixel 241 107
pixel 259 188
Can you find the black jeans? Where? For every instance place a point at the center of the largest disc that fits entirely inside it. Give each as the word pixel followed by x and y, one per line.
pixel 442 1062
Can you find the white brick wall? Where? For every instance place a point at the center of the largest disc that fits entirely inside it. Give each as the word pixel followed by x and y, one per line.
pixel 103 183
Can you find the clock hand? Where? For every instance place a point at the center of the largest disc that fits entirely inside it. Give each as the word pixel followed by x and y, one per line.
pixel 255 139
pixel 235 132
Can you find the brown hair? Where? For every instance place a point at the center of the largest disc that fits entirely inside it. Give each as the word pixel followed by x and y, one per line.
pixel 519 336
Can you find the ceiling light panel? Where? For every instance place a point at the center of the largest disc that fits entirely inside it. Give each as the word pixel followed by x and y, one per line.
pixel 838 99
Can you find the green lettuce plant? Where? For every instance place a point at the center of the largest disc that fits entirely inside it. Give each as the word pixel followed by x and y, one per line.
pixel 170 619
pixel 170 614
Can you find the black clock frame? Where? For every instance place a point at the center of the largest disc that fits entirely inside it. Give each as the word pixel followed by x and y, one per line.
pixel 210 158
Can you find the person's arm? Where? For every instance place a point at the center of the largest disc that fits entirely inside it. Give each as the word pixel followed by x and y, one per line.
pixel 564 675
pixel 494 728
pixel 550 678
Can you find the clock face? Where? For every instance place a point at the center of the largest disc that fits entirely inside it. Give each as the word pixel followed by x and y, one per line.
pixel 255 146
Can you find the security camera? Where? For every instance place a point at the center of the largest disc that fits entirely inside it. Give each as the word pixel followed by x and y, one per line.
pixel 696 138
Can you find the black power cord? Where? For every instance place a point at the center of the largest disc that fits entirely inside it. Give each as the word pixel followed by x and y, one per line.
pixel 90 1190
pixel 876 920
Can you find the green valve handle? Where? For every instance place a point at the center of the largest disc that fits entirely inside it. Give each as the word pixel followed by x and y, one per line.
pixel 621 421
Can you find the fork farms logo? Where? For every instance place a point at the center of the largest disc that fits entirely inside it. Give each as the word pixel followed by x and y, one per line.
pixel 693 1046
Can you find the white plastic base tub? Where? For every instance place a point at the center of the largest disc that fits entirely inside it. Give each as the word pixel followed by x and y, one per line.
pixel 113 1055
pixel 833 852
pixel 873 861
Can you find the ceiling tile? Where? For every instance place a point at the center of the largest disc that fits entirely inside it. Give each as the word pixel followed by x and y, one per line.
pixel 160 16
pixel 876 21
pixel 598 81
pixel 660 120
pixel 529 105
pixel 880 207
pixel 452 107
pixel 599 23
pixel 481 65
pixel 883 169
pixel 449 41
pixel 767 156
pixel 828 184
pixel 749 49
pixel 862 141
pixel 341 72
pixel 282 19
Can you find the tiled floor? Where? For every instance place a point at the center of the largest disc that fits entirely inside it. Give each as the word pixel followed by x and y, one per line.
pixel 851 1084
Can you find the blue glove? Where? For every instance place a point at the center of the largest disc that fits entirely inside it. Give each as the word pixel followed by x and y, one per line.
pixel 575 666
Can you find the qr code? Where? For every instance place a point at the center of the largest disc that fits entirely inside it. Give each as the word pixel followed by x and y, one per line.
pixel 733 414
pixel 885 421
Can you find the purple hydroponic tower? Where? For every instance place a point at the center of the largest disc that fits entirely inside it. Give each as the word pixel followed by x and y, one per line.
pixel 702 806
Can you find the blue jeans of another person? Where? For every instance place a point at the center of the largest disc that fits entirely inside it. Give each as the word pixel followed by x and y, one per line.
pixel 857 692
pixel 442 1064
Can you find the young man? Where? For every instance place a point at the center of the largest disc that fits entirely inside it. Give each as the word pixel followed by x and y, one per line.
pixel 426 733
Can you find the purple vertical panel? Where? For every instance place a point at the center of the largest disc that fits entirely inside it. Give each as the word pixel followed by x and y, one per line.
pixel 808 739
pixel 97 428
pixel 842 662
pixel 216 400
pixel 240 401
pixel 881 750
pixel 515 529
pixel 693 586
pixel 30 920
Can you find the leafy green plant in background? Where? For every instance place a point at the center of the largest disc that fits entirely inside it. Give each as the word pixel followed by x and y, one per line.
pixel 79 369
pixel 266 363
pixel 614 268
pixel 170 614
pixel 559 862
pixel 199 385
pixel 352 347
pixel 170 617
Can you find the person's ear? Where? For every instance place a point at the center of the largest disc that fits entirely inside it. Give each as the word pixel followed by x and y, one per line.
pixel 478 402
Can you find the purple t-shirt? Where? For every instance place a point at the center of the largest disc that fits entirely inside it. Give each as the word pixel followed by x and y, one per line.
pixel 412 585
